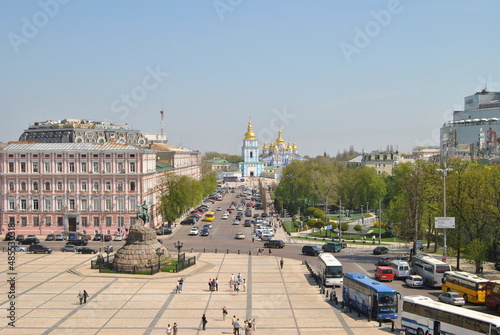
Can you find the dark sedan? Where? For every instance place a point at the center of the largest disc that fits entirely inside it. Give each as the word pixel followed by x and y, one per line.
pixel 86 250
pixel 380 250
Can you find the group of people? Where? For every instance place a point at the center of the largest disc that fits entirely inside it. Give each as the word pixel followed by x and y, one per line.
pixel 248 326
pixel 261 250
pixel 237 284
pixel 213 284
pixel 179 284
pixel 172 330
pixel 82 296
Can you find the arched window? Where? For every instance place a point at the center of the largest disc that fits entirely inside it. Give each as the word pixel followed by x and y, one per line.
pixel 59 186
pixel 11 186
pixel 132 185
pixel 47 186
pixel 23 186
pixel 35 186
pixel 96 186
pixel 84 186
pixel 108 186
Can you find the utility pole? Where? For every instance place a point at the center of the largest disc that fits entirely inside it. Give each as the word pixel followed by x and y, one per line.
pixel 379 222
pixel 444 173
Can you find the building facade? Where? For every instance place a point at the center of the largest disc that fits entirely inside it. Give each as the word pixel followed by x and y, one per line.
pixel 279 153
pixel 251 166
pixel 474 132
pixel 85 187
pixel 382 161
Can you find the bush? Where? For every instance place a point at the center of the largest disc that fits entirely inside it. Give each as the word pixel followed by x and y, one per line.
pixel 358 228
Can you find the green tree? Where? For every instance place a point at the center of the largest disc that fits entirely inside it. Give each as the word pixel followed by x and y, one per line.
pixel 476 252
pixel 344 226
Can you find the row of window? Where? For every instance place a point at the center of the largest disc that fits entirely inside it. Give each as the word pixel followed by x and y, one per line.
pixel 84 221
pixel 84 204
pixel 47 186
pixel 72 155
pixel 71 167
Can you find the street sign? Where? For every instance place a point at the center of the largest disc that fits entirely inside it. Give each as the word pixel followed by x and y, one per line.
pixel 419 243
pixel 329 227
pixel 444 222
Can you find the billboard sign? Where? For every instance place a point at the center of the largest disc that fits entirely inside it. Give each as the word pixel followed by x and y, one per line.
pixel 444 222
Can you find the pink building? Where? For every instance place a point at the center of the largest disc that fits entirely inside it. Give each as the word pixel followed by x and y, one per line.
pixel 86 187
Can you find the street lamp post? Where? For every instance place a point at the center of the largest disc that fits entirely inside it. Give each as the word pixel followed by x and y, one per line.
pixel 159 253
pixel 178 245
pixel 444 173
pixel 362 215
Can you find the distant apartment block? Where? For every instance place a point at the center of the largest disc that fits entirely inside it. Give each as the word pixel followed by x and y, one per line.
pixel 383 162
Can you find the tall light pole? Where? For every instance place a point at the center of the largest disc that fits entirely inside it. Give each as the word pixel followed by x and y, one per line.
pixel 379 222
pixel 444 172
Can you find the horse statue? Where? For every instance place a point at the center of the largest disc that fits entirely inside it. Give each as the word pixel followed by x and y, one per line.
pixel 142 213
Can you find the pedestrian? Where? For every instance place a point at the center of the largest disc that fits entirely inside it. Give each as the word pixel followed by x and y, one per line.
pixel 281 263
pixel 175 328
pixel 177 287
pixel 269 251
pixel 236 327
pixel 233 320
pixel 80 297
pixel 210 284
pixel 253 324
pixel 244 285
pixel 224 313
pixel 169 329
pixel 181 283
pixel 248 327
pixel 216 283
pixel 85 296
pixel 204 321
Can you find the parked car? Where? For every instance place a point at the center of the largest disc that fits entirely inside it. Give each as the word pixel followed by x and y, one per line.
pixel 118 238
pixel 190 221
pixel 10 236
pixel 31 240
pixel 236 221
pixel 86 250
pixel 79 242
pixel 193 231
pixel 107 238
pixel 15 248
pixel 205 232
pixel 59 237
pixel 274 244
pixel 69 248
pixel 383 260
pixel 239 236
pixel 31 236
pixel 415 281
pixel 19 238
pixel 380 250
pixel 39 248
pixel 98 237
pixel 164 231
pixel 225 216
pixel 452 298
pixel 218 208
pixel 311 250
pixel 50 237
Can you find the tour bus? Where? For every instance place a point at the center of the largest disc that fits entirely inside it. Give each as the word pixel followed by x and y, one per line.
pixel 401 269
pixel 370 297
pixel 422 315
pixel 492 299
pixel 468 285
pixel 209 216
pixel 329 270
pixel 430 269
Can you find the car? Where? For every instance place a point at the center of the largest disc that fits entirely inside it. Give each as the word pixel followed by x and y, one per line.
pixel 239 236
pixel 274 244
pixel 205 232
pixel 383 260
pixel 107 238
pixel 193 231
pixel 264 215
pixel 50 237
pixel 15 248
pixel 452 298
pixel 248 223
pixel 311 250
pixel 207 225
pixel 190 221
pixel 218 208
pixel 225 216
pixel 31 240
pixel 69 248
pixel 10 236
pixel 402 257
pixel 59 237
pixel 332 247
pixel 86 250
pixel 415 281
pixel 384 273
pixel 118 238
pixel 39 248
pixel 380 250
pixel 31 236
pixel 164 231
pixel 78 242
pixel 19 238
pixel 236 222
pixel 97 237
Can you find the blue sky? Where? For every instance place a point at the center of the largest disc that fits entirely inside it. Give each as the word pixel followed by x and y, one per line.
pixel 329 74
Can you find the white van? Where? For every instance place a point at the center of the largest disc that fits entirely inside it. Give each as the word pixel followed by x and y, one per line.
pixel 266 237
pixel 401 268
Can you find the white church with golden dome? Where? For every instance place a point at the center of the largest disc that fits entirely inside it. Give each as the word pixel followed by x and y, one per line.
pixel 275 155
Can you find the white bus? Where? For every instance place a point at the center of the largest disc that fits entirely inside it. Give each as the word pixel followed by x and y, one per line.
pixel 430 269
pixel 401 268
pixel 329 270
pixel 422 315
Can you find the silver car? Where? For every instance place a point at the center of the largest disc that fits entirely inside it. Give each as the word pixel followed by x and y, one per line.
pixel 452 298
pixel 69 248
pixel 16 248
pixel 415 281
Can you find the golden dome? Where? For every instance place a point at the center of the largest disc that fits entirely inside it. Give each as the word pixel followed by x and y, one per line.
pixel 250 135
pixel 289 146
pixel 265 147
pixel 294 146
pixel 280 140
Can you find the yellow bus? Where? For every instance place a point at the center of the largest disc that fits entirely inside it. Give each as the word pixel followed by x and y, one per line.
pixel 468 285
pixel 209 216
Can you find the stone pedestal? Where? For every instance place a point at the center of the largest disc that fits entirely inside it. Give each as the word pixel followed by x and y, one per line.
pixel 139 251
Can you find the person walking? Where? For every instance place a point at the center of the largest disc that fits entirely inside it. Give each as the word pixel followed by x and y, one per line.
pixel 244 285
pixel 236 327
pixel 224 313
pixel 169 329
pixel 204 321
pixel 175 328
pixel 177 287
pixel 253 324
pixel 269 251
pixel 181 283
pixel 80 297
pixel 217 283
pixel 85 296
pixel 281 263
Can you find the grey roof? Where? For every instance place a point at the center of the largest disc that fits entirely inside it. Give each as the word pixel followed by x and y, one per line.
pixel 56 147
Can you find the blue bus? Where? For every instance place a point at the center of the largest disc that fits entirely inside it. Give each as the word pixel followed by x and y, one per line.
pixel 370 297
